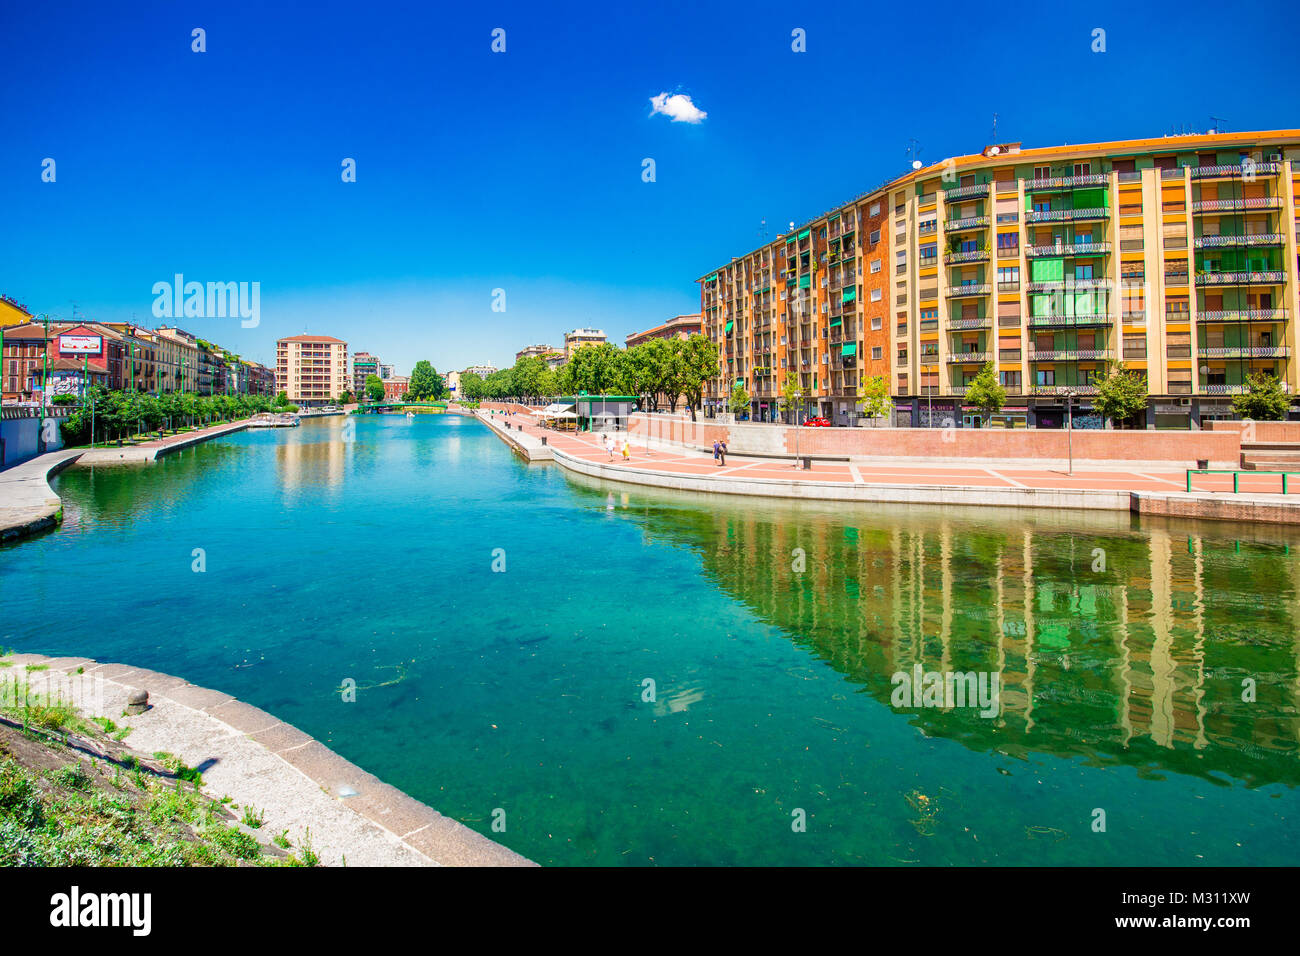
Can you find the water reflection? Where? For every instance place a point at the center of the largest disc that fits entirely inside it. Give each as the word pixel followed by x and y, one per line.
pixel 1165 646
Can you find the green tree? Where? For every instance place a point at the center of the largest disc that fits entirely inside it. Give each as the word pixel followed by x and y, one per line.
pixel 738 400
pixel 425 383
pixel 527 377
pixel 600 370
pixel 1121 394
pixel 1263 400
pixel 471 386
pixel 986 392
pixel 873 396
pixel 695 362
pixel 374 388
pixel 791 397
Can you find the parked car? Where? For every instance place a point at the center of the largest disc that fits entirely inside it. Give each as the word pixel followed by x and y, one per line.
pixel 818 422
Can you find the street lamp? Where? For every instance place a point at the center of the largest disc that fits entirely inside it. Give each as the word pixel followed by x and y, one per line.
pixel 45 375
pixel 1069 427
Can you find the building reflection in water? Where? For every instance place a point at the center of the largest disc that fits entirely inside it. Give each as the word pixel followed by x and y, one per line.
pixel 1115 641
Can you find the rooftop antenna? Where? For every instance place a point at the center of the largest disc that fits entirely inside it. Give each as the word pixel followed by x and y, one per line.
pixel 1218 122
pixel 994 137
pixel 914 152
pixel 762 229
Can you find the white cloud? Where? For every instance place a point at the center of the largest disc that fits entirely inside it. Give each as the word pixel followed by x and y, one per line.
pixel 678 107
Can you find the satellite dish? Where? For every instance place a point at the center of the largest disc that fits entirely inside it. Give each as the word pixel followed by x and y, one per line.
pixel 993 150
pixel 916 164
pixel 791 225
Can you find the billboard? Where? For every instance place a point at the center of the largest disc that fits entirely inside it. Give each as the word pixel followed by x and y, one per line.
pixel 80 344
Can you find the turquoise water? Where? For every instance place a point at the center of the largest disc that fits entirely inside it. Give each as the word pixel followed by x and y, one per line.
pixel 372 560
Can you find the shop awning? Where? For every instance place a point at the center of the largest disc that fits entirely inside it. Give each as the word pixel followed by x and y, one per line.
pixel 849 348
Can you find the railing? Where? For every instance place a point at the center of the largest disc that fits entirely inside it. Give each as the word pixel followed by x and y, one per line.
pixel 1175 173
pixel 980 323
pixel 968 288
pixel 1068 355
pixel 966 192
pixel 1244 351
pixel 1070 249
pixel 1065 182
pixel 970 222
pixel 1236 205
pixel 1220 242
pixel 965 357
pixel 1244 315
pixel 1223 389
pixel 1060 215
pixel 1063 389
pixel 1240 278
pixel 974 255
pixel 1199 172
pixel 1130 177
pixel 1059 320
pixel 1071 285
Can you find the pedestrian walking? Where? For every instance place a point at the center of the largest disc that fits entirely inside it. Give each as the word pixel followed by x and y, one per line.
pixel 627 451
pixel 715 451
pixel 722 452
pixel 609 446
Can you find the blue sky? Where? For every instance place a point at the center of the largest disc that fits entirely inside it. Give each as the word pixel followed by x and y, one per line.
pixel 522 170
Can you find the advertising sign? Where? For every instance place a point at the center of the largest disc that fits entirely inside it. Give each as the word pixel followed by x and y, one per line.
pixel 80 344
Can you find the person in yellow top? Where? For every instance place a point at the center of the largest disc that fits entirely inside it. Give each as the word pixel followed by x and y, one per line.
pixel 627 451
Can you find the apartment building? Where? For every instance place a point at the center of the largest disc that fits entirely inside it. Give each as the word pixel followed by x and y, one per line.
pixel 482 371
pixel 1175 255
pixel 577 338
pixel 363 364
pixel 312 369
pixel 547 352
pixel 178 352
pixel 678 327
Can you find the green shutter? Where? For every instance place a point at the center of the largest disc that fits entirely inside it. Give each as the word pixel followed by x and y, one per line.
pixel 850 348
pixel 712 278
pixel 805 281
pixel 805 234
pixel 1091 198
pixel 837 320
pixel 1085 303
pixel 728 329
pixel 1048 270
pixel 1041 304
pixel 849 295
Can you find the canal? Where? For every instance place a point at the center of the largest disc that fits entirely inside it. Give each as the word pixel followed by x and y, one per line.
pixel 1148 674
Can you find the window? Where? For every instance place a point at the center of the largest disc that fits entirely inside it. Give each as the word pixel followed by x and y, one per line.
pixel 875 266
pixel 1008 278
pixel 1045 377
pixel 1008 244
pixel 874 210
pixel 876 323
pixel 875 236
pixel 875 295
pixel 1009 378
pixel 876 353
pixel 1042 172
pixel 1083 169
pixel 1083 270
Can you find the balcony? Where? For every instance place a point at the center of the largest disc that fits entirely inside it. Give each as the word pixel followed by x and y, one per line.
pixel 1069 355
pixel 966 192
pixel 1067 215
pixel 964 358
pixel 1071 285
pixel 1229 171
pixel 1244 315
pixel 1063 390
pixel 1065 182
pixel 1240 278
pixel 1223 389
pixel 968 289
pixel 1244 351
pixel 974 255
pixel 980 323
pixel 970 222
pixel 1174 173
pixel 1057 321
pixel 1070 249
pixel 1238 242
pixel 1236 205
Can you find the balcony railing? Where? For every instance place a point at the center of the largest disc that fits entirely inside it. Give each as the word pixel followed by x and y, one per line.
pixel 1244 351
pixel 970 222
pixel 1223 389
pixel 1070 249
pixel 1068 355
pixel 1240 278
pixel 979 323
pixel 1236 242
pixel 1071 285
pixel 1066 215
pixel 966 192
pixel 1063 389
pixel 974 255
pixel 1244 315
pixel 1175 173
pixel 1064 320
pixel 1203 172
pixel 1065 182
pixel 968 288
pixel 966 357
pixel 1236 205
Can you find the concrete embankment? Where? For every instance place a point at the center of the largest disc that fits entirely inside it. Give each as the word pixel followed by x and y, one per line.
pixel 528 446
pixel 260 762
pixel 28 505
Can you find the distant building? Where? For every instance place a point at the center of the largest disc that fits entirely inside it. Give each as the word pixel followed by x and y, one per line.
pixel 12 312
pixel 453 383
pixel 579 337
pixel 363 364
pixel 396 387
pixel 385 371
pixel 312 369
pixel 680 327
pixel 482 371
pixel 536 351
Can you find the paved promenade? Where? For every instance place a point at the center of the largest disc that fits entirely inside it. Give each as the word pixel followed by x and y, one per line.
pixel 917 481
